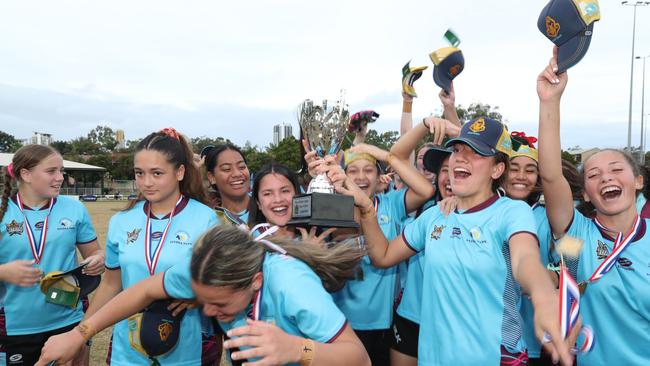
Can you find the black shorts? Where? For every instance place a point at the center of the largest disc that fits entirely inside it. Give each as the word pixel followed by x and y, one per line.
pixel 405 336
pixel 377 344
pixel 26 349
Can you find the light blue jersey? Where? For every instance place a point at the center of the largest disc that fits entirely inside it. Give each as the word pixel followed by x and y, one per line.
pixel 125 249
pixel 527 310
pixel 69 225
pixel 292 297
pixel 617 306
pixel 470 300
pixel 368 303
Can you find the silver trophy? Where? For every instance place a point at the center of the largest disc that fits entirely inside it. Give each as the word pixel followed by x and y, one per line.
pixel 324 127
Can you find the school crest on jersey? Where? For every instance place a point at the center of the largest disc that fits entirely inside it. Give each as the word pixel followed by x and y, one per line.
pixel 14 228
pixel 602 251
pixel 182 238
pixel 437 231
pixel 132 236
pixel 66 224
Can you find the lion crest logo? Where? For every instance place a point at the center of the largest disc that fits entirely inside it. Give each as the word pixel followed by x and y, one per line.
pixel 552 27
pixel 132 236
pixel 14 228
pixel 454 70
pixel 164 331
pixel 437 231
pixel 478 125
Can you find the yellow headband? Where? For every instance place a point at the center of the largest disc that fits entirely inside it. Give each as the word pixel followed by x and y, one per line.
pixel 349 157
pixel 525 150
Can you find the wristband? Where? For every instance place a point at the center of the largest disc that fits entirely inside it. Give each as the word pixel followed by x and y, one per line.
pixel 424 122
pixel 86 330
pixel 307 352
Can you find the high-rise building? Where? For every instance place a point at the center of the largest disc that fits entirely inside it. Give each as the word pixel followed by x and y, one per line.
pixel 39 138
pixel 121 141
pixel 281 132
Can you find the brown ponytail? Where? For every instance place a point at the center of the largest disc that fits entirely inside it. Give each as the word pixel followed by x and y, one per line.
pixel 26 157
pixel 229 256
pixel 178 152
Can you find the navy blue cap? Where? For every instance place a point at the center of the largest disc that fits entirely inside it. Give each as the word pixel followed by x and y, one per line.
pixel 448 63
pixel 484 135
pixel 433 158
pixel 159 329
pixel 86 283
pixel 569 24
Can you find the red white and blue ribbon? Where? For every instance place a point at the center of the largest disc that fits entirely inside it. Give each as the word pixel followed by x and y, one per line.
pixel 588 341
pixel 37 248
pixel 570 312
pixel 569 302
pixel 619 246
pixel 152 256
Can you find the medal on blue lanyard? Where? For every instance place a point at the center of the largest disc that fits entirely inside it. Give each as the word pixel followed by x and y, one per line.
pixel 151 255
pixel 37 248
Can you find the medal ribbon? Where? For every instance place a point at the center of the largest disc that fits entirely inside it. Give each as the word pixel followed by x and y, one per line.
pixel 37 248
pixel 619 246
pixel 151 255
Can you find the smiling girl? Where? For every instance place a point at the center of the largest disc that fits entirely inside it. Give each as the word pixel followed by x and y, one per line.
pixel 616 299
pixel 475 260
pixel 40 232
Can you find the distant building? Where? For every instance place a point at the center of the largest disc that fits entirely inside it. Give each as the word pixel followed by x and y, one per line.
pixel 121 141
pixel 281 132
pixel 581 154
pixel 39 138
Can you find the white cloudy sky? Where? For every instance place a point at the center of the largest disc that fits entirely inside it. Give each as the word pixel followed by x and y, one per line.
pixel 235 68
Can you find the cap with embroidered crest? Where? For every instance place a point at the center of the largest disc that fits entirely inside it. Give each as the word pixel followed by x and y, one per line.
pixel 448 63
pixel 484 135
pixel 569 24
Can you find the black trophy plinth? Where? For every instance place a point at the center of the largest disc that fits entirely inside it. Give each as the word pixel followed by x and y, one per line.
pixel 323 209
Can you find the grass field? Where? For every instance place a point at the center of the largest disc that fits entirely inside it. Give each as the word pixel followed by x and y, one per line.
pixel 101 212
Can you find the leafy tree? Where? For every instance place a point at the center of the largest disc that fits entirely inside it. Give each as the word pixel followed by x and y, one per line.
pixel 84 146
pixel 255 157
pixel 122 167
pixel 476 110
pixel 104 137
pixel 8 143
pixel 569 157
pixel 63 147
pixel 286 152
pixel 198 143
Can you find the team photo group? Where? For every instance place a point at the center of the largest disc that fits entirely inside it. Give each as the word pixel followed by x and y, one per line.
pixel 465 243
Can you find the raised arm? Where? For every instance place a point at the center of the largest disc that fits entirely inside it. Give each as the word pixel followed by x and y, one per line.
pixel 449 105
pixel 557 192
pixel 381 254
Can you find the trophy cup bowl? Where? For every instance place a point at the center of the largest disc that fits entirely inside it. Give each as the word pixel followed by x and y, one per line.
pixel 324 127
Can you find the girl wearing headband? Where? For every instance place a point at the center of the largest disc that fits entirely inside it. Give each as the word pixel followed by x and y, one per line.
pixel 155 232
pixel 612 265
pixel 40 232
pixel 270 295
pixel 475 260
pixel 368 303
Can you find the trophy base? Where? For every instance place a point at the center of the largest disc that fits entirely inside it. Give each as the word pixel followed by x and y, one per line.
pixel 324 210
